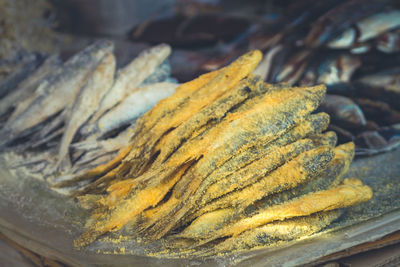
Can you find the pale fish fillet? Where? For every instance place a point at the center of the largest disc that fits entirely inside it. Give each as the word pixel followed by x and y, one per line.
pixel 129 78
pixel 58 92
pixel 134 105
pixel 86 104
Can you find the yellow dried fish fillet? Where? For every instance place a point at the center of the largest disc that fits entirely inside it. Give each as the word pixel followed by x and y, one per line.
pixel 332 175
pixel 344 155
pixel 263 123
pixel 207 224
pixel 227 157
pixel 151 216
pixel 351 192
pixel 209 82
pixel 286 230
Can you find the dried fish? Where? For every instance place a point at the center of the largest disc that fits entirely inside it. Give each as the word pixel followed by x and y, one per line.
pixel 217 179
pixel 344 111
pixel 332 175
pixel 208 223
pixel 257 169
pixel 272 233
pixel 140 155
pixel 315 123
pixel 271 110
pixel 129 78
pixel 215 111
pixel 351 192
pixel 56 92
pixel 211 160
pixel 367 29
pixel 133 105
pixel 161 74
pixel 86 104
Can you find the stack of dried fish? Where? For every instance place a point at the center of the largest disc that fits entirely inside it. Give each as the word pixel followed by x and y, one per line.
pixel 81 101
pixel 226 158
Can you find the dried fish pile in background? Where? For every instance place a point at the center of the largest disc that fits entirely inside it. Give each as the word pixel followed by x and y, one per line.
pixel 351 46
pixel 67 117
pixel 226 158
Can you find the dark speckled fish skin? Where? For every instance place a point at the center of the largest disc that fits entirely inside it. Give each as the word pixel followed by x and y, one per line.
pixel 55 93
